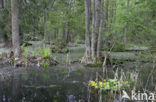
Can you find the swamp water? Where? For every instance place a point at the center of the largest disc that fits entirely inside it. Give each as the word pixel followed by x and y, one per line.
pixel 64 82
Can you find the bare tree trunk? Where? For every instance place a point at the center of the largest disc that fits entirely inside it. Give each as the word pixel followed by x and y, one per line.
pixel 87 20
pixel 125 32
pixel 44 24
pixel 55 34
pixel 46 37
pixel 100 31
pixel 96 21
pixel 111 16
pixel 63 32
pixel 66 32
pixel 1 35
pixel 106 16
pixel 15 28
pixel 93 41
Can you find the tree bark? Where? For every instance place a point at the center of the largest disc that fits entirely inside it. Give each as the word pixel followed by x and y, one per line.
pixel 66 32
pixel 106 16
pixel 44 24
pixel 100 30
pixel 15 28
pixel 111 16
pixel 1 35
pixel 87 23
pixel 125 31
pixel 96 22
pixel 93 41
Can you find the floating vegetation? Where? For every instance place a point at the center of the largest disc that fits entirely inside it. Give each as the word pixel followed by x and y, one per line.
pixel 110 84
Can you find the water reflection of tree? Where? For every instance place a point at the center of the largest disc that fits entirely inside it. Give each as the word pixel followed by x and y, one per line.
pixel 16 84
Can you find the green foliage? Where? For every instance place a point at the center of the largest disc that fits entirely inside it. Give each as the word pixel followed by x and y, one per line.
pixel 119 60
pixel 79 41
pixel 46 63
pixel 64 59
pixel 25 50
pixel 119 46
pixel 46 53
pixel 110 84
pixel 96 64
pixel 54 58
pixel 65 50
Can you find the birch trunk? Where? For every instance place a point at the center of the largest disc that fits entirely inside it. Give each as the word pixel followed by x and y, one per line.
pixel 15 28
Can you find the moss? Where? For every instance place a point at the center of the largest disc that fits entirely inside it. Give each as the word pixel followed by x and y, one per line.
pixel 96 64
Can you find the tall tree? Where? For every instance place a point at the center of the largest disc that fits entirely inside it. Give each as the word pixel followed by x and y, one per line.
pixel 97 24
pixel 1 35
pixel 100 30
pixel 106 15
pixel 15 28
pixel 87 38
pixel 95 27
pixel 93 41
pixel 125 30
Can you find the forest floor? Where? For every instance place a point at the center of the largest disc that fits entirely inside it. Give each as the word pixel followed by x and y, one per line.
pixel 133 53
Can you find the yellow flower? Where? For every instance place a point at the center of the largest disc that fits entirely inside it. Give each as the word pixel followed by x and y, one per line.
pixel 96 86
pixel 104 83
pixel 108 86
pixel 126 82
pixel 107 83
pixel 100 83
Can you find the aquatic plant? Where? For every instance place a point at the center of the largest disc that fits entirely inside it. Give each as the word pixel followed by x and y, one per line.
pixel 25 50
pixel 46 63
pixel 46 52
pixel 110 84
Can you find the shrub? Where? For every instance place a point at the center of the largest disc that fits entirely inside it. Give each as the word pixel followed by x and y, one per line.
pixel 46 53
pixel 25 51
pixel 119 46
pixel 46 63
pixel 79 41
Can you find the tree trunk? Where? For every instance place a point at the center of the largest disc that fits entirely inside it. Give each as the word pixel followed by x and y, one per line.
pixel 63 32
pixel 106 16
pixel 66 32
pixel 96 19
pixel 93 41
pixel 1 35
pixel 55 34
pixel 100 30
pixel 15 28
pixel 125 32
pixel 87 20
pixel 44 24
pixel 111 16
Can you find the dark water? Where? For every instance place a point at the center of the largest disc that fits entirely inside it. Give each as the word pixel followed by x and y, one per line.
pixel 59 84
pixel 65 82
